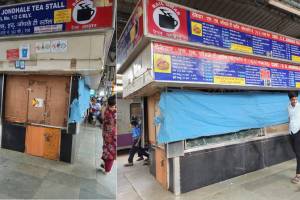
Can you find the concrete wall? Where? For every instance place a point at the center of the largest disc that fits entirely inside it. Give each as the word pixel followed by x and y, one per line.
pixel 139 73
pixel 84 53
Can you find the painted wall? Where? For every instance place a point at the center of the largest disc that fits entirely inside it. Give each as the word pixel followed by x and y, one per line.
pixel 81 53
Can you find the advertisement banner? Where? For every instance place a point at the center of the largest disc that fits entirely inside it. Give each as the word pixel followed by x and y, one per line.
pixel 181 64
pixel 132 34
pixel 55 16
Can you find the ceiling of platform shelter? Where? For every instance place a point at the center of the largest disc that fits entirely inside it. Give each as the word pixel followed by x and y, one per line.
pixel 6 2
pixel 260 13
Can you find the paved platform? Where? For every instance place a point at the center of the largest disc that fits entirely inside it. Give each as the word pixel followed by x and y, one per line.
pixel 27 177
pixel 271 183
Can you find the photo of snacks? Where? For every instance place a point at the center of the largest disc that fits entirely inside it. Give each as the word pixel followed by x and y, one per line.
pixel 196 29
pixel 162 63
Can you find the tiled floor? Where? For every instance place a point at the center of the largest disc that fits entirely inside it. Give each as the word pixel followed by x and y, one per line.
pixel 27 177
pixel 271 183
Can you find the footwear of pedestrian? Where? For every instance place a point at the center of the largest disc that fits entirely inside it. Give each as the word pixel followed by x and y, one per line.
pixel 102 169
pixel 140 158
pixel 128 165
pixel 296 180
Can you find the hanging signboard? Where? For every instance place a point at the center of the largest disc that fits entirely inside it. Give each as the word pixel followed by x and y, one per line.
pixel 55 16
pixel 168 20
pixel 181 64
pixel 132 34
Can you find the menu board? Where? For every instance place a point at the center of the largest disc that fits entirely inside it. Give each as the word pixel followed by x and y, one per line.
pixel 171 21
pixel 55 16
pixel 181 64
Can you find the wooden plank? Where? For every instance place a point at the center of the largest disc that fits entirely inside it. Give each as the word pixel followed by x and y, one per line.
pixel 58 101
pixel 161 167
pixel 16 98
pixel 52 143
pixel 153 111
pixel 35 142
pixel 37 101
pixel 151 126
pixel 277 128
pixel 52 89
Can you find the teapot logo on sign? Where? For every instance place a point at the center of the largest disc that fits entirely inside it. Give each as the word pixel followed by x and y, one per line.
pixel 84 11
pixel 166 19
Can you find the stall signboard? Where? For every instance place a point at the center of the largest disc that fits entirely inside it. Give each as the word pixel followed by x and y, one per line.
pixel 182 64
pixel 55 16
pixel 132 34
pixel 168 20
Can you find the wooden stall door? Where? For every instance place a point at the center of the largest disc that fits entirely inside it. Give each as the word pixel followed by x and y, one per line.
pixel 161 167
pixel 153 111
pixel 151 127
pixel 57 101
pixel 52 143
pixel 34 142
pixel 43 142
pixel 37 101
pixel 16 98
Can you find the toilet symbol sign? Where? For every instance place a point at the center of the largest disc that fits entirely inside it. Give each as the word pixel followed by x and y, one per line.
pixel 84 11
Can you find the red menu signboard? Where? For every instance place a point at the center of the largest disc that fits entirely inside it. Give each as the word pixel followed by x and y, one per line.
pixel 88 14
pixel 167 20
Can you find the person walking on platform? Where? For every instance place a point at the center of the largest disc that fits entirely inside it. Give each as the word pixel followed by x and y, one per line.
pixel 136 146
pixel 109 135
pixel 294 130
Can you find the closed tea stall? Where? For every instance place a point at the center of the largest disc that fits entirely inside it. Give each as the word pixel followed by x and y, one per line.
pixel 48 69
pixel 214 95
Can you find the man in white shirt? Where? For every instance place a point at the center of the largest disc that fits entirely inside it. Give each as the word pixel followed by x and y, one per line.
pixel 95 111
pixel 294 129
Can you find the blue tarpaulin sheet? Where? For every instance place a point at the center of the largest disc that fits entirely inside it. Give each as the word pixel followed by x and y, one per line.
pixel 192 114
pixel 79 106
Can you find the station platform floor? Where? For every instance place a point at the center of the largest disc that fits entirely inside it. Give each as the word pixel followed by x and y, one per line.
pixel 273 183
pixel 27 177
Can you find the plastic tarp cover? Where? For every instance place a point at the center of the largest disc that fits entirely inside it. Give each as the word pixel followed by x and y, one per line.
pixel 79 106
pixel 192 114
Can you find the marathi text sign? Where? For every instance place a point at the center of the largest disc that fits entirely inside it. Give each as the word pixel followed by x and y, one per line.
pixel 171 21
pixel 180 64
pixel 55 16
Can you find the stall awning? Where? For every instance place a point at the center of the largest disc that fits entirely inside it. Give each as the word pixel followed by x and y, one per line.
pixel 192 114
